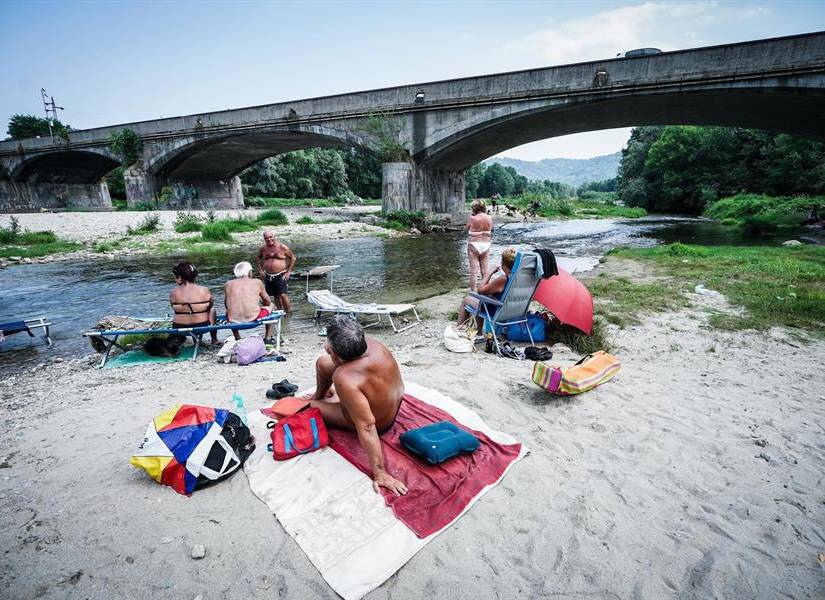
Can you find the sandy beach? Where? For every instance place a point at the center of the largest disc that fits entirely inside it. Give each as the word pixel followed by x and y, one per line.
pixel 696 472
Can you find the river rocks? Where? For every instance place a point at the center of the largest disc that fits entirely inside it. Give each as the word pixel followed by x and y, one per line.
pixel 121 322
pixel 198 551
pixel 792 243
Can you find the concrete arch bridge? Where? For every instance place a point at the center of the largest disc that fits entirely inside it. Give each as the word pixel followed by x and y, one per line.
pixel 776 84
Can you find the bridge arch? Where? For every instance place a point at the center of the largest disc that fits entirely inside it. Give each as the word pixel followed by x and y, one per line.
pixel 224 156
pixel 67 166
pixel 479 135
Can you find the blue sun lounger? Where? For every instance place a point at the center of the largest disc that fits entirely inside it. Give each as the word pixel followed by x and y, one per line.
pixel 27 325
pixel 109 337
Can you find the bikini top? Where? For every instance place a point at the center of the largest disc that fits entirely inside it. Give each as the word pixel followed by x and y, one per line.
pixel 479 232
pixel 191 310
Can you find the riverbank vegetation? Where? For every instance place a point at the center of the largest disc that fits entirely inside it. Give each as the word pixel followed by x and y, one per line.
pixel 18 242
pixel 591 205
pixel 687 169
pixel 757 212
pixel 776 286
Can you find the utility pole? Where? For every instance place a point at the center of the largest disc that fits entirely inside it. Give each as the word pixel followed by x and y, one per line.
pixel 51 110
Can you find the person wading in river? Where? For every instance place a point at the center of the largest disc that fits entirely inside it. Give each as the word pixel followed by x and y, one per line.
pixel 275 262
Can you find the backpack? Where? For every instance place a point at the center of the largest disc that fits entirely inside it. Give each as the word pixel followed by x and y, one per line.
pixel 592 370
pixel 518 331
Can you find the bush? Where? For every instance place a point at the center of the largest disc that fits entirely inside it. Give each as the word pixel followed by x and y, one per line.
pixel 253 201
pixel 186 222
pixel 405 219
pixel 305 220
pixel 759 223
pixel 272 216
pixel 760 210
pixel 103 247
pixel 679 249
pixel 13 234
pixel 217 231
pixel 729 222
pixel 149 224
pixel 9 235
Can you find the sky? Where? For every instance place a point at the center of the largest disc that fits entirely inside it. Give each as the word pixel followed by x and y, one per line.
pixel 118 61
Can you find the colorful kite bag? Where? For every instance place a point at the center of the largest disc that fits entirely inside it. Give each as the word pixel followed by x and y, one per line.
pixel 594 369
pixel 300 433
pixel 189 447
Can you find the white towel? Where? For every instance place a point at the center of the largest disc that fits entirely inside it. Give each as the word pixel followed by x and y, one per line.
pixel 329 507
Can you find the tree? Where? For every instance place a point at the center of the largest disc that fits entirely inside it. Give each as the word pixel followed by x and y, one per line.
pixel 497 179
pixel 29 126
pixel 363 172
pixel 472 179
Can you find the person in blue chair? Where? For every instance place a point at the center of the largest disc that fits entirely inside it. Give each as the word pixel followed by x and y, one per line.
pixel 359 388
pixel 493 285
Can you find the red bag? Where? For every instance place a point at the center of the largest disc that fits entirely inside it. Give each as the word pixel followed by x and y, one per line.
pixel 300 433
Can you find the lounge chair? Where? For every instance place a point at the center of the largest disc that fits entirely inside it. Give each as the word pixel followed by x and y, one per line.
pixel 109 337
pixel 515 299
pixel 325 301
pixel 7 329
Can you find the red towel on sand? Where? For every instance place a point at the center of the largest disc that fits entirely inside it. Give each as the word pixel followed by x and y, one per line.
pixel 437 493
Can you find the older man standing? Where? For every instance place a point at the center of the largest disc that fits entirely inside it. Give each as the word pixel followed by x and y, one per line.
pixel 359 388
pixel 275 263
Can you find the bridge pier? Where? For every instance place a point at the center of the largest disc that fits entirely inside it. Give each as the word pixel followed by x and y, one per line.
pixel 16 196
pixel 142 186
pixel 407 186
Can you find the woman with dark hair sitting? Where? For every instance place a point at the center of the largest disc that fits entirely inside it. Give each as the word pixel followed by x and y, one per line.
pixel 192 304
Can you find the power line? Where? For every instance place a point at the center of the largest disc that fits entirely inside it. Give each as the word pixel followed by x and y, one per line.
pixel 51 110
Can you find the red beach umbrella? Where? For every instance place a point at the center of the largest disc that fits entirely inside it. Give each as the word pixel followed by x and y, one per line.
pixel 568 300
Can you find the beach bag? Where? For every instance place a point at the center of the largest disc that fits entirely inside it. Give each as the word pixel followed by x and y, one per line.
pixel 250 349
pixel 457 340
pixel 518 331
pixel 189 447
pixel 592 370
pixel 301 433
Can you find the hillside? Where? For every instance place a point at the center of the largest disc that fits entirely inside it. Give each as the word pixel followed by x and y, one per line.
pixel 574 171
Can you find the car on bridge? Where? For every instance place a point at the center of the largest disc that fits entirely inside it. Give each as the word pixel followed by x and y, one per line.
pixel 638 52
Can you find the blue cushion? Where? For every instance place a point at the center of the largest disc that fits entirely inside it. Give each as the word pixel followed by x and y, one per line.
pixel 437 442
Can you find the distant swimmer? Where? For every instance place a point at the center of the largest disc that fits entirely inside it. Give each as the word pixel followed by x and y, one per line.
pixel 275 263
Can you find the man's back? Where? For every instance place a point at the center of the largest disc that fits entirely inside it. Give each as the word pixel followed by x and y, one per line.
pixel 243 298
pixel 377 376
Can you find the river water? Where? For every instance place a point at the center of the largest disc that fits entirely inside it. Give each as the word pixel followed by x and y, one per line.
pixel 74 295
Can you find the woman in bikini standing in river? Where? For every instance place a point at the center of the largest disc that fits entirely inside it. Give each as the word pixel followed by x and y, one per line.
pixel 479 229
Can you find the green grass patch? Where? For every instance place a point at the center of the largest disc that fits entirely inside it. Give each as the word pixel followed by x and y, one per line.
pixel 782 286
pixel 758 213
pixel 217 231
pixel 403 220
pixel 590 205
pixel 186 222
pixel 620 301
pixel 273 216
pixel 581 343
pixel 16 241
pixel 36 250
pixel 149 224
pixel 305 220
pixel 104 247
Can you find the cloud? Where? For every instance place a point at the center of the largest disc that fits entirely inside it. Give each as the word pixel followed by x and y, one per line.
pixel 669 26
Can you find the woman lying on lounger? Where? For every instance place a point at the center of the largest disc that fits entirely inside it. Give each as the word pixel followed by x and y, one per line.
pixel 192 303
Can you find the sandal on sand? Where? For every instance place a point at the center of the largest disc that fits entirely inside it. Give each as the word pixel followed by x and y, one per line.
pixel 281 390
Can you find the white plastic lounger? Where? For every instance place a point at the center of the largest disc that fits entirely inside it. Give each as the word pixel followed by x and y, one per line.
pixel 325 301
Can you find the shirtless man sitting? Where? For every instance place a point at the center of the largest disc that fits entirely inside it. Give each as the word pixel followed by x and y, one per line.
pixel 246 300
pixel 275 263
pixel 359 389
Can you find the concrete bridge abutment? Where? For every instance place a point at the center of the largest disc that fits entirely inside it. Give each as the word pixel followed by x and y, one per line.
pixel 145 187
pixel 17 196
pixel 407 186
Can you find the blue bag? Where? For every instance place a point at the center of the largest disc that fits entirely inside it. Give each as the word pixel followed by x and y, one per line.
pixel 437 442
pixel 518 331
